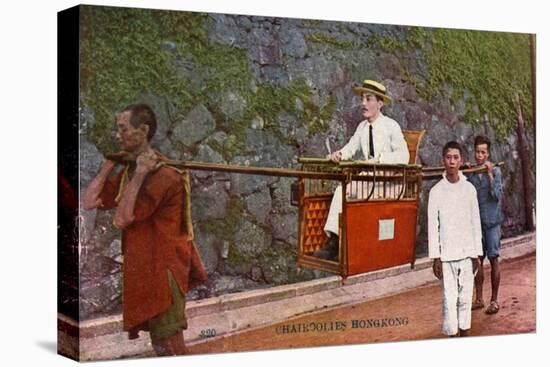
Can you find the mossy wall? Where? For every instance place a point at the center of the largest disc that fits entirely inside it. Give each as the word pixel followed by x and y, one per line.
pixel 130 52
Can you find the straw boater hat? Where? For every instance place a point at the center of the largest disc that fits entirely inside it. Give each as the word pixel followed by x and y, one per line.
pixel 370 86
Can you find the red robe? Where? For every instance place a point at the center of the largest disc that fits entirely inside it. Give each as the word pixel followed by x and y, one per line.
pixel 155 242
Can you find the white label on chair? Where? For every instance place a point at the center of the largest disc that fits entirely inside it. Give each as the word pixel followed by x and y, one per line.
pixel 386 229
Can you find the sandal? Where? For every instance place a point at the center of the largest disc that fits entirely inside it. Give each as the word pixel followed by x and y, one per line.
pixel 477 304
pixel 493 308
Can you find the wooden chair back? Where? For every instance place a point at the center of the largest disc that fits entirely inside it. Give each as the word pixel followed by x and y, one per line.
pixel 413 139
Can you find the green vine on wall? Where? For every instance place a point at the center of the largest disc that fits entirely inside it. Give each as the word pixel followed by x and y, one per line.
pixel 124 54
pixel 323 38
pixel 484 68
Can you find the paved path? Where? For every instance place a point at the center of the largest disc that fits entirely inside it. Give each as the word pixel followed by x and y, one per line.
pixel 411 315
pixel 390 304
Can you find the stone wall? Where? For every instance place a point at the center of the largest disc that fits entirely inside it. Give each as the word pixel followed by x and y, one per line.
pixel 294 93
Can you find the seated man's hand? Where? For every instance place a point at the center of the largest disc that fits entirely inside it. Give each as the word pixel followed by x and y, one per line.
pixel 336 156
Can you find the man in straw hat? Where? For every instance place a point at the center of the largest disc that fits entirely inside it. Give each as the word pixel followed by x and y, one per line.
pixel 380 140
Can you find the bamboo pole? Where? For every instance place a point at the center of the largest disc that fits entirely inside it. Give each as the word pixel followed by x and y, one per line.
pixel 263 171
pixel 427 172
pixel 232 168
pixel 435 172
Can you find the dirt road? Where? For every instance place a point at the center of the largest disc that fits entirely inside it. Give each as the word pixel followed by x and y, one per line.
pixel 411 315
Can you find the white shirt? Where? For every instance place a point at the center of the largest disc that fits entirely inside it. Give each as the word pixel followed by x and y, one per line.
pixel 389 144
pixel 454 227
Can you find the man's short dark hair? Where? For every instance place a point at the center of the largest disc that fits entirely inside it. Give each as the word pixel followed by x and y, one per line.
pixel 482 139
pixel 140 114
pixel 453 145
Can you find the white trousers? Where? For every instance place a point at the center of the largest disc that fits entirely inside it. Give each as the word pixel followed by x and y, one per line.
pixel 335 208
pixel 458 287
pixel 356 190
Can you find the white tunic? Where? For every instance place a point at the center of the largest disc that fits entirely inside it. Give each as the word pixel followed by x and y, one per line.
pixel 454 227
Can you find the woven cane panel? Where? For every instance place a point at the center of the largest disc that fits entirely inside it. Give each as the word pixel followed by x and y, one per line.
pixel 315 216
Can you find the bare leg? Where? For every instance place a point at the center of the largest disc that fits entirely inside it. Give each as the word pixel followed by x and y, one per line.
pixel 171 346
pixel 495 278
pixel 161 347
pixel 479 279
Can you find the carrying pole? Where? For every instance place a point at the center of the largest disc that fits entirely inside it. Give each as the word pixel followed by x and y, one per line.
pixel 427 172
pixel 436 172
